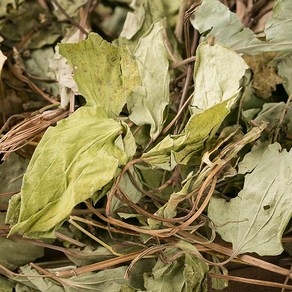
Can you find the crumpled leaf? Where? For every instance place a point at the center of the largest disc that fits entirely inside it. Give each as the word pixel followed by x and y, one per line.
pixel 228 30
pixel 12 258
pixel 102 281
pixel 56 181
pixel 265 78
pixel 63 72
pixel 105 74
pixel 148 101
pixel 168 210
pixel 186 274
pixel 25 18
pixel 128 188
pixel 255 220
pixel 219 95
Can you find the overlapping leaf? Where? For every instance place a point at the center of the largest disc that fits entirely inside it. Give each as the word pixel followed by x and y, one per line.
pixel 212 100
pixel 148 101
pixel 228 30
pixel 73 161
pixel 255 220
pixel 105 74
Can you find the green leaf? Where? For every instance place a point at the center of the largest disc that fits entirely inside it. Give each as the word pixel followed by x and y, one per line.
pixel 103 281
pixel 24 18
pixel 11 258
pixel 218 95
pixel 228 30
pixel 11 173
pixel 168 210
pixel 186 274
pixel 255 220
pixel 38 65
pixel 6 285
pixel 105 74
pixel 148 101
pixel 73 160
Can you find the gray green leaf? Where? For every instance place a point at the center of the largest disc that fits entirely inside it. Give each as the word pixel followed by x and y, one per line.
pixel 228 30
pixel 255 220
pixel 148 101
pixel 218 95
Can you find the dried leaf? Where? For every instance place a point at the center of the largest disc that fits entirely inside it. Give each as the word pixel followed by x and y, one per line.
pixel 105 74
pixel 56 181
pixel 255 220
pixel 214 83
pixel 11 258
pixel 219 95
pixel 148 101
pixel 228 30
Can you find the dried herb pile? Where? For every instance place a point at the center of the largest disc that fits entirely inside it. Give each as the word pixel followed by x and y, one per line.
pixel 146 145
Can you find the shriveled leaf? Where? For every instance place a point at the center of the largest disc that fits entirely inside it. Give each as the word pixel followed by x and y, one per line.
pixel 186 274
pixel 225 26
pixel 168 210
pixel 148 101
pixel 15 253
pixel 255 220
pixel 272 113
pixel 63 72
pixel 56 181
pixel 214 81
pixel 102 281
pixel 129 188
pixel 105 74
pixel 212 101
pixel 25 18
pixel 228 30
pixel 36 283
pixel 265 78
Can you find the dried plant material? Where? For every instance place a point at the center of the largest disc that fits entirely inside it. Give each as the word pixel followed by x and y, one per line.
pixel 148 101
pixel 255 220
pixel 265 77
pixel 105 74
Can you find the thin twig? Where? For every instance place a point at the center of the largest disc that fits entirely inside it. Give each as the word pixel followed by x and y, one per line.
pixel 63 11
pixel 251 281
